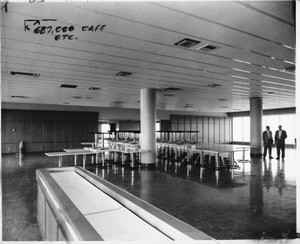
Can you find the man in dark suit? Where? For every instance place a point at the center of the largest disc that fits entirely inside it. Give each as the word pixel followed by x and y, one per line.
pixel 268 141
pixel 280 137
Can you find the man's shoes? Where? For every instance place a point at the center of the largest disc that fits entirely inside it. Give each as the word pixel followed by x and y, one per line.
pixel 270 157
pixel 277 158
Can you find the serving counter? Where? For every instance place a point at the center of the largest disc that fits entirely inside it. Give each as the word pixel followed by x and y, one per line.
pixel 75 205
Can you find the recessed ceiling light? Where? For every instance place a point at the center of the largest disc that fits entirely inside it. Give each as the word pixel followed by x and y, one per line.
pixel 288 62
pixel 186 42
pixel 68 86
pixel 240 77
pixel 280 78
pixel 123 73
pixel 241 70
pixel 208 48
pixel 24 74
pixel 289 47
pixel 241 61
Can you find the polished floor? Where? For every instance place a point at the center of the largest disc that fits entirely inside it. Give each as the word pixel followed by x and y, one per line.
pixel 255 201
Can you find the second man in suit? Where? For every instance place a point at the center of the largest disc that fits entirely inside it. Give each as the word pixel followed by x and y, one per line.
pixel 280 136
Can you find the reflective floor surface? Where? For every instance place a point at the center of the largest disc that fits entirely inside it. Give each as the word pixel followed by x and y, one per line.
pixel 255 201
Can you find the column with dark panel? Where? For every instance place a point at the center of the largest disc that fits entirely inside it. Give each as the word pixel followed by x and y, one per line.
pixel 148 129
pixel 256 114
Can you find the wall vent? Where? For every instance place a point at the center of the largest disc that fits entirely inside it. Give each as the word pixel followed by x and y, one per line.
pixel 24 74
pixel 172 89
pixel 187 43
pixel 123 73
pixel 213 85
pixel 94 88
pixel 290 68
pixel 68 86
pixel 19 96
pixel 208 48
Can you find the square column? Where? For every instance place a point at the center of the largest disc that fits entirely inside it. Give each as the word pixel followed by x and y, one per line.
pixel 148 128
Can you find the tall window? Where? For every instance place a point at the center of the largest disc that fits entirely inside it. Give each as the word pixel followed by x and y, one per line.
pixel 241 126
pixel 241 129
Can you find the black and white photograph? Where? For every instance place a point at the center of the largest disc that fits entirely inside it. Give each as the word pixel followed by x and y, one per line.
pixel 149 121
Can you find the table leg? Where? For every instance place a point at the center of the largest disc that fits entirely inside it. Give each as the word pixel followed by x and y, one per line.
pixel 103 159
pixel 75 159
pixel 59 161
pixel 132 159
pixel 84 160
pixel 217 160
pixel 123 156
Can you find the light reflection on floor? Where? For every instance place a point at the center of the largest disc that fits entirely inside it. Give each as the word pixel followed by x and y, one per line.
pixel 256 201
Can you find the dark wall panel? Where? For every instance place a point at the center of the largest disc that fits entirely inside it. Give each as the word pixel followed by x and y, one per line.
pixel 46 130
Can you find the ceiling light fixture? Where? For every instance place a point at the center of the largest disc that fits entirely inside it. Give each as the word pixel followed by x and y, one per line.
pixel 288 62
pixel 241 70
pixel 271 76
pixel 242 87
pixel 289 47
pixel 187 43
pixel 270 82
pixel 241 61
pixel 240 77
pixel 239 82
